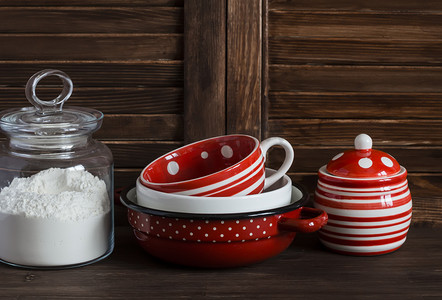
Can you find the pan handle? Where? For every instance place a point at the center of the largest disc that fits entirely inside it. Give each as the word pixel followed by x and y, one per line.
pixel 310 220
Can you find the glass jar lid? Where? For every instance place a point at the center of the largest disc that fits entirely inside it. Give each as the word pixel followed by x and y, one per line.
pixel 363 161
pixel 49 118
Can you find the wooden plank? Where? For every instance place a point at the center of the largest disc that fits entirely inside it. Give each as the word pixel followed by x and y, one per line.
pixel 354 105
pixel 356 79
pixel 126 100
pixel 311 158
pixel 141 127
pixel 91 20
pixel 138 154
pixel 244 40
pixel 357 5
pixel 331 132
pixel 286 50
pixel 98 73
pixel 359 25
pixel 127 47
pixel 425 190
pixel 124 3
pixel 204 69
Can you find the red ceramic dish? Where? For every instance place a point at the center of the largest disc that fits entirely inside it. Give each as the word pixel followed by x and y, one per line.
pixel 365 193
pixel 220 241
pixel 220 166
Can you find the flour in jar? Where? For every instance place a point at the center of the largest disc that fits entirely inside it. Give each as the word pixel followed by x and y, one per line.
pixel 56 217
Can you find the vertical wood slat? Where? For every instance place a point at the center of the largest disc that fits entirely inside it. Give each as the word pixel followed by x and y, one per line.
pixel 204 69
pixel 244 67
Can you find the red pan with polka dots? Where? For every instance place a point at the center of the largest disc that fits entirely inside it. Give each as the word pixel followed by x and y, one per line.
pixel 224 240
pixel 216 167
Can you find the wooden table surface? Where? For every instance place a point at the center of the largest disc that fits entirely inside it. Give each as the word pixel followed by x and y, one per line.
pixel 305 269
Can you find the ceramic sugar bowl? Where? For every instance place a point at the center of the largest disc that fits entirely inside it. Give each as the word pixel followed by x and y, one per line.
pixel 365 193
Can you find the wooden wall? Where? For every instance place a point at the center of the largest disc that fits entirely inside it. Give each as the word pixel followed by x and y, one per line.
pixel 317 72
pixel 340 68
pixel 124 57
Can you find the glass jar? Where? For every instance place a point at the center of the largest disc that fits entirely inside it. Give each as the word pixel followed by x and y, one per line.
pixel 56 183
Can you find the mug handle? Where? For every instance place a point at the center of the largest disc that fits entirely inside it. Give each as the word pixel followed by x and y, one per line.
pixel 289 156
pixel 310 220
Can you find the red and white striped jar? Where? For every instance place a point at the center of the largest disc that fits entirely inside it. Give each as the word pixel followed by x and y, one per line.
pixel 365 194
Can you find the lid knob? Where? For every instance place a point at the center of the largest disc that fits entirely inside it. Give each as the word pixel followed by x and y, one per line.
pixel 363 142
pixel 55 105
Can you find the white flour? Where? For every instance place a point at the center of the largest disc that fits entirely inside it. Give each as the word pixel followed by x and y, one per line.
pixel 56 217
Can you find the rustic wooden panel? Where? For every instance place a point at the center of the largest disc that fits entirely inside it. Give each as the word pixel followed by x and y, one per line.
pixel 358 5
pixel 244 67
pixel 356 78
pixel 91 47
pixel 407 26
pixel 124 3
pixel 340 131
pixel 91 20
pixel 141 127
pixel 133 154
pixel 99 73
pixel 110 100
pixel 205 69
pixel 285 50
pixel 354 105
pixel 311 158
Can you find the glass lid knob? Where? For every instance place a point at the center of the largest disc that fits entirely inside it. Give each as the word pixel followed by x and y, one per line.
pixel 53 106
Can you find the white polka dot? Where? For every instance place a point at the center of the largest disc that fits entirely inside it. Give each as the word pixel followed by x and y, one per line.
pixel 158 222
pixel 191 234
pixel 176 232
pixel 214 241
pixel 265 219
pixel 263 232
pixel 270 224
pixel 214 228
pixel 164 230
pixel 199 227
pixel 237 221
pixel 207 221
pixel 173 168
pixel 170 237
pixel 227 151
pixel 337 156
pixel 184 226
pixel 206 235
pixel 230 228
pixel 365 163
pixel 229 241
pixel 191 221
pixel 251 220
pixel 244 228
pixel 184 239
pixel 158 235
pixel 258 226
pixel 170 224
pixel 222 222
pixel 199 241
pixel 243 241
pixel 251 234
pixel 256 239
pixel 135 222
pixel 386 161
pixel 221 235
pixel 204 154
pixel 237 235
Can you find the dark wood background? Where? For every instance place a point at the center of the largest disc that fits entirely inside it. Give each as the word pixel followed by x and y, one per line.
pixel 315 72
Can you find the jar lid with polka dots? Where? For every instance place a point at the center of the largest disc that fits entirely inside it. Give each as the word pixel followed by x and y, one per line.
pixel 363 161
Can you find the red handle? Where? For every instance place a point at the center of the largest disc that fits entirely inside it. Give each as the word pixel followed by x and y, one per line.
pixel 310 220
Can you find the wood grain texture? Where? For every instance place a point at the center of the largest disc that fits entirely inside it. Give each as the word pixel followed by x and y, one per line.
pixel 361 51
pixel 141 127
pixel 204 69
pixel 416 159
pixel 98 73
pixel 244 67
pixel 357 25
pixel 354 105
pixel 132 47
pixel 109 100
pixel 357 5
pixel 129 272
pixel 136 154
pixel 329 132
pixel 373 79
pixel 91 20
pixel 93 3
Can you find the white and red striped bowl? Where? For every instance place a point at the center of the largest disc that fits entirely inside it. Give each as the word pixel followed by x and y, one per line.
pixel 217 167
pixel 367 215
